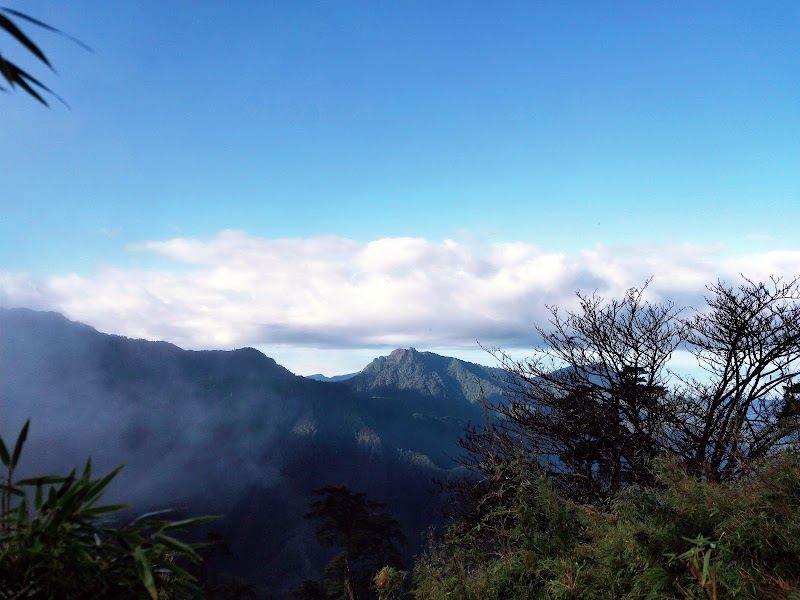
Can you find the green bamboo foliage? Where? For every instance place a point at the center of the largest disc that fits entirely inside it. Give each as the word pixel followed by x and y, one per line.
pixel 57 540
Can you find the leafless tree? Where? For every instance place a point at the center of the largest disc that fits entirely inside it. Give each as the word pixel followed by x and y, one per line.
pixel 591 405
pixel 598 402
pixel 748 342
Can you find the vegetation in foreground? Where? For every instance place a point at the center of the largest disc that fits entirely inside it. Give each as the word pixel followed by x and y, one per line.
pixel 368 539
pixel 56 541
pixel 605 475
pixel 679 538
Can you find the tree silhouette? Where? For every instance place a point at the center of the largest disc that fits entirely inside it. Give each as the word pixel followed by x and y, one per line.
pixel 591 405
pixel 597 404
pixel 748 341
pixel 367 535
pixel 309 590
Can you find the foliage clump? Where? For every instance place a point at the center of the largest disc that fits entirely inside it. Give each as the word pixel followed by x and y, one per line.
pixel 56 541
pixel 503 546
pixel 679 538
pixel 687 537
pixel 389 582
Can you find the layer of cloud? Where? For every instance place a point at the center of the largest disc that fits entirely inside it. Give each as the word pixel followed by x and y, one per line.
pixel 236 290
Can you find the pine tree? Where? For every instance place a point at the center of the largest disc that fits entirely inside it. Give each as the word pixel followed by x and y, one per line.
pixel 367 535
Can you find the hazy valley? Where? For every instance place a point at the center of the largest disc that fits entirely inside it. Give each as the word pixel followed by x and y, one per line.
pixel 234 433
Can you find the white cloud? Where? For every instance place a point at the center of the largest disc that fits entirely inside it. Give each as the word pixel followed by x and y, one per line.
pixel 234 289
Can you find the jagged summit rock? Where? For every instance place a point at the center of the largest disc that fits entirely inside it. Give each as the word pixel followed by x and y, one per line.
pixel 436 385
pixel 403 353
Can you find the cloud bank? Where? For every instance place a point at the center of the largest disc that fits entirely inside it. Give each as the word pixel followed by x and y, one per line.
pixel 236 290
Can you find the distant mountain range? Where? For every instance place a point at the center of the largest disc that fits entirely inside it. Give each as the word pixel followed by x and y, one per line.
pixel 233 432
pixel 321 377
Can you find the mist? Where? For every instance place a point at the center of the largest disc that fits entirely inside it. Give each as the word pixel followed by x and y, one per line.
pixel 188 426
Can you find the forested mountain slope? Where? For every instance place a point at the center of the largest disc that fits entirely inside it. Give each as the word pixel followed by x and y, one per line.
pixel 233 432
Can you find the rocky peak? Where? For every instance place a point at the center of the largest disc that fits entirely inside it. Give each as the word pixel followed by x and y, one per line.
pixel 401 353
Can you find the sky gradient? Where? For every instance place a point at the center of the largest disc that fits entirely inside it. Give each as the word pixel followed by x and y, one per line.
pixel 327 181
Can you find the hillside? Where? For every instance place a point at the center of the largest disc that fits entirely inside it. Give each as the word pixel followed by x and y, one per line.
pixel 321 377
pixel 234 432
pixel 435 385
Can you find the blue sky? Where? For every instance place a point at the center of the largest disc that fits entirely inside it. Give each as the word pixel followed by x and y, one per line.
pixel 325 181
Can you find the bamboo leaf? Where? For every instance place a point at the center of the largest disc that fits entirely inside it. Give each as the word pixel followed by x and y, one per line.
pixel 23 435
pixel 4 455
pixel 52 499
pixel 99 510
pixel 22 514
pixel 43 25
pixel 95 489
pixel 67 484
pixel 177 545
pixel 21 78
pixel 155 513
pixel 42 480
pixel 706 563
pixel 14 31
pixel 5 69
pixel 183 574
pixel 11 489
pixel 189 522
pixel 17 76
pixel 145 573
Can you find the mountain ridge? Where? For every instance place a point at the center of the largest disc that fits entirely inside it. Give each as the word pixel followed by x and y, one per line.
pixel 429 382
pixel 333 379
pixel 231 430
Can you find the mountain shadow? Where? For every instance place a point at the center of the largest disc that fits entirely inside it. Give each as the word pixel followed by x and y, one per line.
pixel 233 432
